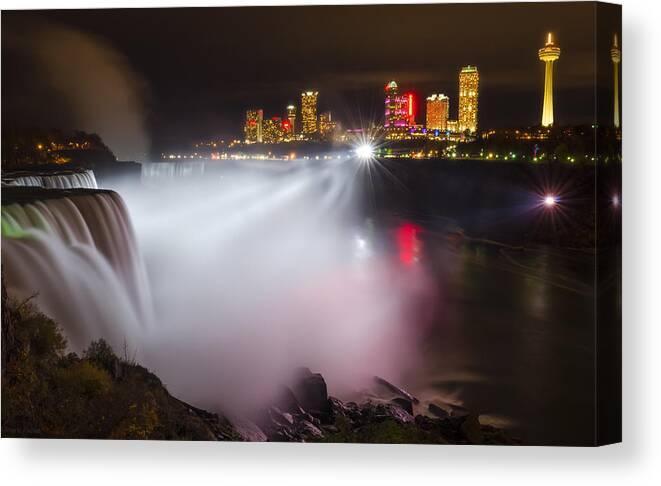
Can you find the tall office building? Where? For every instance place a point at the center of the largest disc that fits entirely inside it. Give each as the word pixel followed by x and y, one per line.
pixel 469 82
pixel 548 54
pixel 274 130
pixel 397 114
pixel 438 109
pixel 291 116
pixel 326 124
pixel 410 108
pixel 616 57
pixel 309 112
pixel 253 126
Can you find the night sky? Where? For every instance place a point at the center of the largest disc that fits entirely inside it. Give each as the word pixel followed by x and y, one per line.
pixel 190 74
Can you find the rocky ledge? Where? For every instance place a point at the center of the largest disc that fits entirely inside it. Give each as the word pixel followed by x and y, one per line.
pixel 49 393
pixel 305 413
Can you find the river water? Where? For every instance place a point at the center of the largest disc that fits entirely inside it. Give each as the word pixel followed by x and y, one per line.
pixel 511 336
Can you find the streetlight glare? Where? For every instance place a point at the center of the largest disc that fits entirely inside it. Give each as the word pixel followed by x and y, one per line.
pixel 365 151
pixel 550 200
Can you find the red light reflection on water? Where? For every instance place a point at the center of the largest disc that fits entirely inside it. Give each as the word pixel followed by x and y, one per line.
pixel 408 243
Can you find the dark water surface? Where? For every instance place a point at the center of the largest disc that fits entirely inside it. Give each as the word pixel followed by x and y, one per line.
pixel 512 333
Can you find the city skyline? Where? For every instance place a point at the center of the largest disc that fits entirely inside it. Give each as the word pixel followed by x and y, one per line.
pixel 399 116
pixel 183 94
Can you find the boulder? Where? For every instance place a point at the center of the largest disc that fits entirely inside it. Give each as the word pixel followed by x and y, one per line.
pixel 457 411
pixel 438 411
pixel 249 431
pixel 375 412
pixel 286 401
pixel 312 394
pixel 395 389
pixel 307 431
pixel 398 413
pixel 286 427
pixel 279 417
pixel 407 405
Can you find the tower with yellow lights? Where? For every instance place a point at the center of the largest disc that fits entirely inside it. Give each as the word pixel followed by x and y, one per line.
pixel 309 112
pixel 616 57
pixel 548 54
pixel 469 82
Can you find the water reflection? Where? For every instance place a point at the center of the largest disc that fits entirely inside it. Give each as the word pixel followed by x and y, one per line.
pixel 408 243
pixel 510 334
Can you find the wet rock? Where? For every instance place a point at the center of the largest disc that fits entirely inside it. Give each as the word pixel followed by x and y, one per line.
pixel 249 431
pixel 308 431
pixel 458 412
pixel 311 391
pixel 398 413
pixel 407 405
pixel 445 410
pixel 371 412
pixel 306 413
pixel 438 411
pixel 395 389
pixel 282 426
pixel 340 410
pixel 281 417
pixel 286 401
pixel 337 407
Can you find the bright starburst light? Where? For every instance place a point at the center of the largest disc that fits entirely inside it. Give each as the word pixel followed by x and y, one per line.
pixel 365 151
pixel 550 200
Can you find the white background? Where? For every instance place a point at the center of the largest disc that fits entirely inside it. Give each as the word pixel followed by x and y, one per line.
pixel 636 461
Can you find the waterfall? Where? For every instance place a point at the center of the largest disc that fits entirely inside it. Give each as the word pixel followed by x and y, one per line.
pixel 57 180
pixel 76 251
pixel 255 269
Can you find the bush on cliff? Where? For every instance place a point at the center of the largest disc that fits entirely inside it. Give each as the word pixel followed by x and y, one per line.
pixel 48 393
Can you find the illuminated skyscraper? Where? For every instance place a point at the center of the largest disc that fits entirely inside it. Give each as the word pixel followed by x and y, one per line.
pixel 616 56
pixel 438 109
pixel 291 116
pixel 287 130
pixel 309 112
pixel 548 54
pixel 326 124
pixel 397 115
pixel 410 108
pixel 274 130
pixel 253 127
pixel 469 82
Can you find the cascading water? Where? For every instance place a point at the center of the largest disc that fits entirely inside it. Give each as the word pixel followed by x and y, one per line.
pixel 258 268
pixel 84 179
pixel 254 269
pixel 76 250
